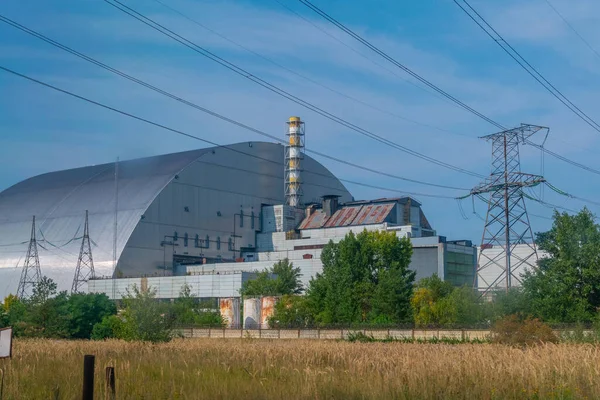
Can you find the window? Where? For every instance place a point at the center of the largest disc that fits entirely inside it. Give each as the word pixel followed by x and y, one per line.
pixel 252 220
pixel 207 243
pixel 218 242
pixel 175 236
pixel 185 240
pixel 241 218
pixel 230 244
pixel 197 241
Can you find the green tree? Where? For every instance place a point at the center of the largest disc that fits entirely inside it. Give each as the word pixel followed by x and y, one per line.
pixel 431 303
pixel 505 303
pixel 47 312
pixel 566 286
pixel 436 302
pixel 111 327
pixel 292 311
pixel 145 318
pixel 13 314
pixel 365 279
pixel 187 310
pixel 281 279
pixel 86 310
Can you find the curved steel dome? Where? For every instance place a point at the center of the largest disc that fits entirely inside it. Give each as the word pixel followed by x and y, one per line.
pixel 209 199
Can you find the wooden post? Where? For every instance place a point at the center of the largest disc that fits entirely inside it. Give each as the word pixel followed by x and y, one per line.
pixel 88 377
pixel 111 393
pixel 1 383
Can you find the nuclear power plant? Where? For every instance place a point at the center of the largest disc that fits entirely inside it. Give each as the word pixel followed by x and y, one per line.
pixel 208 219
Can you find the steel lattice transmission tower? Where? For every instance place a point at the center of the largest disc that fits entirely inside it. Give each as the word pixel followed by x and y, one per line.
pixel 85 263
pixel 31 274
pixel 506 223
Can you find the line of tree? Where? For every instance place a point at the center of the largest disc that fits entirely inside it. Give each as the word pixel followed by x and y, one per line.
pixel 366 281
pixel 138 316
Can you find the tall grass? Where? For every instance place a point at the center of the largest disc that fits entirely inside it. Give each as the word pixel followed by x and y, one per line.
pixel 262 369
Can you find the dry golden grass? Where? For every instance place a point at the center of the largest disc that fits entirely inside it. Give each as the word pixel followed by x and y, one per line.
pixel 262 369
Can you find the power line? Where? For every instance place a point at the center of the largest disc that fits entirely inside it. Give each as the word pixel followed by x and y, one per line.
pixel 308 21
pixel 189 135
pixel 516 56
pixel 205 110
pixel 398 64
pixel 573 28
pixel 562 158
pixel 309 79
pixel 563 193
pixel 242 72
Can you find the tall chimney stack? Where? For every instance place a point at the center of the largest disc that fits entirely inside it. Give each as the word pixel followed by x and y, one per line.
pixel 294 154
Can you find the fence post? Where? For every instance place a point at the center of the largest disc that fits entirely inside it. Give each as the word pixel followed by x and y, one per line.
pixel 88 377
pixel 111 392
pixel 1 383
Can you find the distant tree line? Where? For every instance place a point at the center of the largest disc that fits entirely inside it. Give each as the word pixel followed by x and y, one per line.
pixel 138 316
pixel 365 280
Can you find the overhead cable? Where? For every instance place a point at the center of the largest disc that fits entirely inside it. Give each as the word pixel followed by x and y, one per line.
pixel 309 79
pixel 530 69
pixel 179 132
pixel 589 46
pixel 562 158
pixel 398 64
pixel 563 193
pixel 242 72
pixel 205 110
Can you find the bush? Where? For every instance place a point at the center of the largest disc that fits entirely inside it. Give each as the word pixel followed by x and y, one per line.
pixel 110 327
pixel 516 332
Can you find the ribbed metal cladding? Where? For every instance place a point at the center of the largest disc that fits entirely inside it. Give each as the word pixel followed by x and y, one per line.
pixel 200 193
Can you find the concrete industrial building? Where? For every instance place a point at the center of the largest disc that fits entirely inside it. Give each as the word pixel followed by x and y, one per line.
pixel 206 218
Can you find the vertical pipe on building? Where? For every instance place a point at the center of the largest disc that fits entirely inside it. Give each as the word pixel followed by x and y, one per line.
pixel 294 154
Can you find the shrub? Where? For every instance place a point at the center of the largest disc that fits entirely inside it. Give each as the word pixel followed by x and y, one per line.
pixel 516 332
pixel 109 328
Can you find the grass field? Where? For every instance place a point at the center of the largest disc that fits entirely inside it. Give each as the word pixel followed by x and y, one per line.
pixel 262 369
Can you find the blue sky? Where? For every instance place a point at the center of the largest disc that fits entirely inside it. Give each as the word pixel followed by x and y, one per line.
pixel 41 130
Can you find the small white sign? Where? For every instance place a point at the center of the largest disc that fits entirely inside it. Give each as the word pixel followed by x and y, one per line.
pixel 6 343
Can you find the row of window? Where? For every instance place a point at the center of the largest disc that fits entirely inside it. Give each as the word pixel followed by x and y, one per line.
pixel 203 244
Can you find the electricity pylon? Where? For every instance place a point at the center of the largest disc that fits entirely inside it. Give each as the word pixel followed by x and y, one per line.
pixel 506 223
pixel 85 264
pixel 31 273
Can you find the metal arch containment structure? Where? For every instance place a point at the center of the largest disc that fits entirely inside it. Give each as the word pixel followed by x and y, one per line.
pixel 198 192
pixel 506 223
